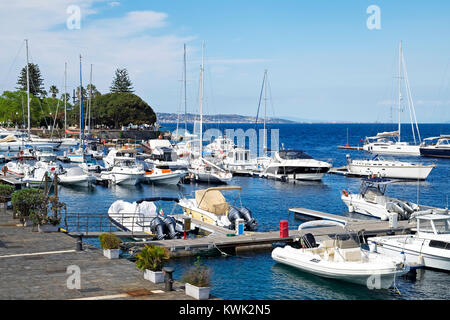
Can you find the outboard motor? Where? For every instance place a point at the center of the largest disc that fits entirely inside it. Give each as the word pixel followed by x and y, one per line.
pixel 233 215
pixel 250 222
pixel 309 241
pixel 157 226
pixel 170 224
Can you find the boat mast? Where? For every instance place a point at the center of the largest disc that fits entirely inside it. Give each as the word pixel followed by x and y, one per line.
pixel 90 102
pixel 265 113
pixel 399 89
pixel 81 108
pixel 65 99
pixel 201 99
pixel 28 93
pixel 185 94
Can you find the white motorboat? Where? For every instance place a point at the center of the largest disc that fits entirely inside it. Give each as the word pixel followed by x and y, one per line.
pixel 203 170
pixel 162 154
pixel 390 142
pixel 291 165
pixel 124 171
pixel 220 147
pixel 341 260
pixel 90 167
pixel 164 176
pixel 118 154
pixel 18 168
pixel 430 245
pixel 240 162
pixel 78 155
pixel 45 154
pixel 35 176
pixel 389 168
pixel 75 176
pixel 144 216
pixel 438 147
pixel 373 201
pixel 210 206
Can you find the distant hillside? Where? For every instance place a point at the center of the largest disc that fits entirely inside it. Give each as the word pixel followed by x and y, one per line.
pixel 225 118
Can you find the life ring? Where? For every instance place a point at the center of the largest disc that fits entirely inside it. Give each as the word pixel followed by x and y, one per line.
pixel 345 193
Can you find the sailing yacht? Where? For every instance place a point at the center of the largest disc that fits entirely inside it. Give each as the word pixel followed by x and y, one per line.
pixel 438 147
pixel 201 169
pixel 390 142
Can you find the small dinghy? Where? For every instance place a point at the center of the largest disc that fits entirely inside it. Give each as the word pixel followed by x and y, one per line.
pixel 75 176
pixel 341 258
pixel 164 176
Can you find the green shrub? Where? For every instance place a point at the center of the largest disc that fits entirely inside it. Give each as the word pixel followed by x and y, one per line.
pixel 5 192
pixel 198 275
pixel 109 241
pixel 28 202
pixel 152 258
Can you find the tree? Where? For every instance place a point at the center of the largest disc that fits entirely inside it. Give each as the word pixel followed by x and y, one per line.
pixel 121 82
pixel 54 91
pixel 36 83
pixel 122 108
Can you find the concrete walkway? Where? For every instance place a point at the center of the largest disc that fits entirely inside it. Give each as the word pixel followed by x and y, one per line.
pixel 39 266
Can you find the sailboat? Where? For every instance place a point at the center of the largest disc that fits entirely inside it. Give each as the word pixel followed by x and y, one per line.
pixel 390 142
pixel 80 155
pixel 201 169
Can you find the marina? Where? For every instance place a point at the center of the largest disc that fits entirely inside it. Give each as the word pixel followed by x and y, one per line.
pixel 204 159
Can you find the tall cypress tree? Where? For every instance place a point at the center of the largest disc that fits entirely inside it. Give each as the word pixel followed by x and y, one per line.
pixel 121 82
pixel 36 81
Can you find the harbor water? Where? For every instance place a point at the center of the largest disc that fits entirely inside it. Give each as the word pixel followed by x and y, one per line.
pixel 255 275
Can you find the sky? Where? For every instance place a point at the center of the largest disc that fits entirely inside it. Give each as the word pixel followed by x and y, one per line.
pixel 325 59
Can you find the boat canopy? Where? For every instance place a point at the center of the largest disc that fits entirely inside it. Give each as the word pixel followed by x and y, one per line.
pixel 320 223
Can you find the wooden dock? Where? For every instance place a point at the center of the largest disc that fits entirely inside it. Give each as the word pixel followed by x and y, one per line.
pixel 350 148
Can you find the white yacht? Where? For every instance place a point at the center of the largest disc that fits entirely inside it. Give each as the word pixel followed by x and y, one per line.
pixel 164 176
pixel 35 176
pixel 18 168
pixel 291 165
pixel 373 201
pixel 118 154
pixel 220 147
pixel 78 155
pixel 430 245
pixel 124 171
pixel 75 176
pixel 388 168
pixel 240 162
pixel 438 147
pixel 341 260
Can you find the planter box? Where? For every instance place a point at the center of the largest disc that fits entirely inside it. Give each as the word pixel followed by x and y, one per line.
pixel 48 228
pixel 199 293
pixel 154 276
pixel 111 253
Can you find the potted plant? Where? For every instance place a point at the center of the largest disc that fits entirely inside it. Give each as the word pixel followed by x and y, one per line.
pixel 110 243
pixel 27 203
pixel 151 260
pixel 197 279
pixel 5 194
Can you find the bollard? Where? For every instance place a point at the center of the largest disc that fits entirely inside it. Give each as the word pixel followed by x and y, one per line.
pixel 168 278
pixel 284 229
pixel 79 245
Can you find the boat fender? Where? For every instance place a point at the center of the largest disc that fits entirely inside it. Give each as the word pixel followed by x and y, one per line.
pixel 157 226
pixel 345 193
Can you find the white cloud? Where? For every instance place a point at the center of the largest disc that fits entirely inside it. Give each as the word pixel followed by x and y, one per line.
pixel 114 3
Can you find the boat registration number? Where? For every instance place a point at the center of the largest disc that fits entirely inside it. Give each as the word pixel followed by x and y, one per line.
pixel 315 260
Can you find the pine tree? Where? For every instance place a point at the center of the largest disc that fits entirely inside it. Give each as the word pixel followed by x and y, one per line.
pixel 121 82
pixel 36 81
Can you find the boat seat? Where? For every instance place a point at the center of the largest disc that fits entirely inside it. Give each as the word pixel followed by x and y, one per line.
pixel 327 244
pixel 346 244
pixel 353 254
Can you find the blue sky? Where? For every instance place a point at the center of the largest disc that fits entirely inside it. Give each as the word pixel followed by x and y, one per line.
pixel 323 61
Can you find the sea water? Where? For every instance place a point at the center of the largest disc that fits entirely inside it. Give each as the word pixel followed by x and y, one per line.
pixel 255 275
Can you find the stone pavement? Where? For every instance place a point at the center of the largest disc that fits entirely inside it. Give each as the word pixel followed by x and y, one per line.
pixel 34 266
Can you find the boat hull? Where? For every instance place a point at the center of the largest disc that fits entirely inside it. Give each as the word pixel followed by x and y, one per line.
pixel 386 171
pixel 435 152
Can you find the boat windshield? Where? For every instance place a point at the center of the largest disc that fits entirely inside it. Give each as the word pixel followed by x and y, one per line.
pixel 437 226
pixel 294 154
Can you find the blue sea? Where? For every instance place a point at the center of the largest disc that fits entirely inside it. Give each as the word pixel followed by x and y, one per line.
pixel 255 275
